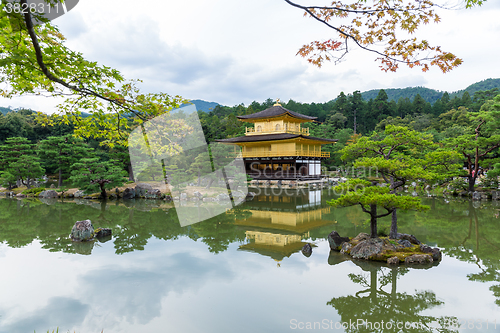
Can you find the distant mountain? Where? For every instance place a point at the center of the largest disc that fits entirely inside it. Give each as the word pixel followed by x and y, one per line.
pixel 4 110
pixel 204 105
pixel 431 95
pixel 487 84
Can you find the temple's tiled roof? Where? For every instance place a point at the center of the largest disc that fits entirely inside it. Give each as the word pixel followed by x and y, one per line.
pixel 274 111
pixel 273 137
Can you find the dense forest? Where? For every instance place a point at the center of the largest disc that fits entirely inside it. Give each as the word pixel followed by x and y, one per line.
pixel 54 151
pixel 431 95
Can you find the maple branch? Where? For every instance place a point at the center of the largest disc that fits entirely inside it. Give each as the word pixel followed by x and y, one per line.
pixel 50 76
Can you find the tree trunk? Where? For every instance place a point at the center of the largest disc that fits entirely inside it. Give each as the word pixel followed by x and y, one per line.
pixel 472 183
pixel 103 192
pixel 59 183
pixel 393 234
pixel 130 172
pixel 394 225
pixel 373 221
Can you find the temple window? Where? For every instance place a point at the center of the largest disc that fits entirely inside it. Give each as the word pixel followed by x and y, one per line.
pixel 278 127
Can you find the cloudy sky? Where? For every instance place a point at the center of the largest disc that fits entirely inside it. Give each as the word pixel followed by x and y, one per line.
pixel 234 52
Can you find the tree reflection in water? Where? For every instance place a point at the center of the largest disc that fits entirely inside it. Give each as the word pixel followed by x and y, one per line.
pixel 375 303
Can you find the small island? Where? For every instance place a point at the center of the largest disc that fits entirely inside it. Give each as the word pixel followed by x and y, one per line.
pixel 405 249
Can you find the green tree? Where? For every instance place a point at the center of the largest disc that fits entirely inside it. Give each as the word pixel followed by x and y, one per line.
pixel 62 151
pixel 35 59
pixel 481 140
pixel 400 155
pixel 92 175
pixel 26 168
pixel 13 149
pixel 369 197
pixel 7 179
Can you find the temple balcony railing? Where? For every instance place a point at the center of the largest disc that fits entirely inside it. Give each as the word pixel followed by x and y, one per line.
pixel 298 152
pixel 252 131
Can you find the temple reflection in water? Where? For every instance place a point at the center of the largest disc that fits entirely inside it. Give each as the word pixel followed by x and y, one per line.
pixel 279 224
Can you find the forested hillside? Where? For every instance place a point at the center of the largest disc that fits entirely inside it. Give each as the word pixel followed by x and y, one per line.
pixel 431 95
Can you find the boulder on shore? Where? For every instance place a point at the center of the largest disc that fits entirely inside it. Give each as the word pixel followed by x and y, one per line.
pixel 129 193
pixel 336 241
pixel 418 259
pixel 434 252
pixel 48 194
pixel 412 239
pixel 82 231
pixel 142 189
pixel 368 248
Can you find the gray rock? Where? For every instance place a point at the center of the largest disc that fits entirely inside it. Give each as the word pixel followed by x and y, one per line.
pixel 48 194
pixel 82 231
pixel 434 252
pixel 360 237
pixel 336 241
pixel 79 194
pixel 184 196
pixel 345 248
pixel 307 250
pixel 168 197
pixel 405 243
pixel 153 194
pixel 476 195
pixel 367 248
pixel 52 186
pixel 418 259
pixel 393 261
pixel 142 189
pixel 412 239
pixel 198 194
pixel 20 195
pixel 129 193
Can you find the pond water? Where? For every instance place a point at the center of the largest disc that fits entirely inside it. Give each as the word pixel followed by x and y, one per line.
pixel 242 271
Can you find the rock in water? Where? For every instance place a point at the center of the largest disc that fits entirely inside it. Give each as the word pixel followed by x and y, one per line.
pixel 418 259
pixel 367 248
pixel 307 250
pixel 434 252
pixel 393 261
pixel 82 231
pixel 336 241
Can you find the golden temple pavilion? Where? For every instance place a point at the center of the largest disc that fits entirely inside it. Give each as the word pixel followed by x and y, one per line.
pixel 278 147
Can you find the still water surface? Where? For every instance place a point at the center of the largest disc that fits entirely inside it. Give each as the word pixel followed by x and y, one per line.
pixel 241 271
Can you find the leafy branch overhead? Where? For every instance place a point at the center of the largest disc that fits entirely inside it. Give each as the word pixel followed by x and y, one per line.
pixel 34 60
pixel 384 28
